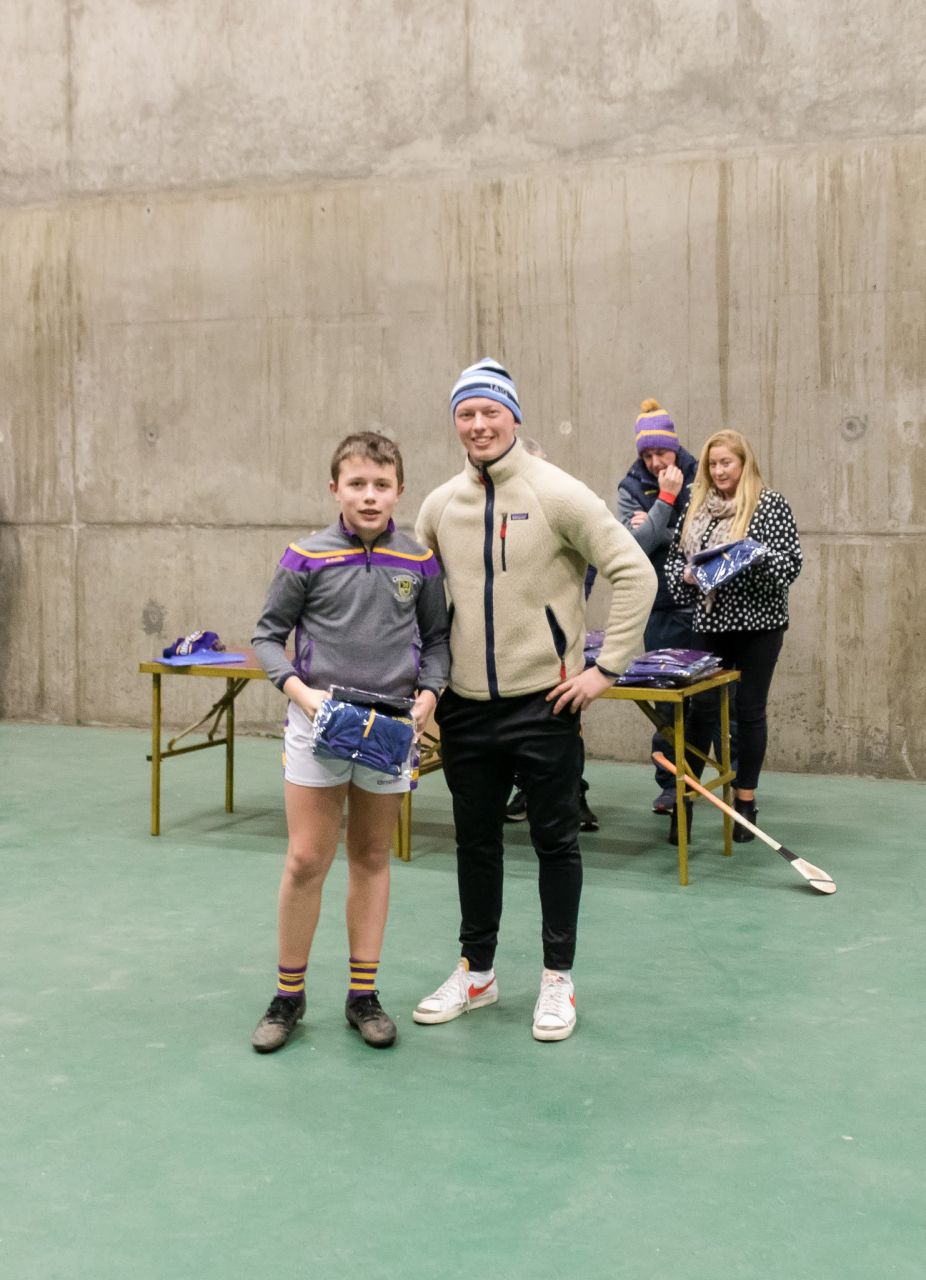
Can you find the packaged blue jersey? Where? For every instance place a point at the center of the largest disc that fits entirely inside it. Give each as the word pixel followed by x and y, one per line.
pixel 716 565
pixel 349 731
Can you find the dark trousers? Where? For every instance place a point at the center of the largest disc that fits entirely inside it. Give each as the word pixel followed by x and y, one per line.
pixel 483 745
pixel 754 654
pixel 671 629
pixel 583 785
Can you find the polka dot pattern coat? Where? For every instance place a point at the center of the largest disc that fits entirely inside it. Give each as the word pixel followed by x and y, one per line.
pixel 757 599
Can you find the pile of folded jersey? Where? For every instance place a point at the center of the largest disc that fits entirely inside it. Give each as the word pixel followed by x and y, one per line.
pixel 347 731
pixel 195 642
pixel 669 668
pixel 593 642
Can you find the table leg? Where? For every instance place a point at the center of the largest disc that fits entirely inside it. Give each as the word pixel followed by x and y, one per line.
pixel 230 747
pixel 402 835
pixel 155 755
pixel 725 765
pixel 681 766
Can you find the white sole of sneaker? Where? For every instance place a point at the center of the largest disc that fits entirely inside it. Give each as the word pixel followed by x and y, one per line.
pixel 428 1018
pixel 553 1033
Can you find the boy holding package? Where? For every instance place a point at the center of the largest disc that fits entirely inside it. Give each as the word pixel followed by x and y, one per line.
pixel 367 604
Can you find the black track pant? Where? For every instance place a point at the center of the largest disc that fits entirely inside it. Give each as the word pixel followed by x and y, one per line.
pixel 483 745
pixel 754 654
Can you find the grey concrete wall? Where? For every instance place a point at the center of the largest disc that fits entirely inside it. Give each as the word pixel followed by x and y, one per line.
pixel 230 233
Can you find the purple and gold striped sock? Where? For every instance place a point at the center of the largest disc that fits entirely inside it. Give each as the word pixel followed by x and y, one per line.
pixel 362 978
pixel 291 982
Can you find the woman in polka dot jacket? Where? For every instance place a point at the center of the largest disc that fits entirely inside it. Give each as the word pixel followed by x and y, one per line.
pixel 744 620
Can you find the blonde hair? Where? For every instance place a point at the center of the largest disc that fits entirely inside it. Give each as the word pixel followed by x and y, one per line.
pixel 748 490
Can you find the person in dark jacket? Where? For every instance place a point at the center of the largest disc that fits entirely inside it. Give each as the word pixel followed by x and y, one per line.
pixel 651 499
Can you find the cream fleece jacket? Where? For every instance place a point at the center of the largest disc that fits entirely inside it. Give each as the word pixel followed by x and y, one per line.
pixel 514 538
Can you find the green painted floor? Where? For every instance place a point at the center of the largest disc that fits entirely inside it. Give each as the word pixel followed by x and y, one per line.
pixel 743 1097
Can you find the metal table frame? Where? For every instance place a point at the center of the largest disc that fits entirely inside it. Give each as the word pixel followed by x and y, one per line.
pixel 647 700
pixel 239 675
pixel 236 676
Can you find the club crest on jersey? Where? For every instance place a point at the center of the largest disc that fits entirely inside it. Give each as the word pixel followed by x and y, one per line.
pixel 404 585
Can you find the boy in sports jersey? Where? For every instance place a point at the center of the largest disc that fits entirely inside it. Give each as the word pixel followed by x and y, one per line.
pixel 368 608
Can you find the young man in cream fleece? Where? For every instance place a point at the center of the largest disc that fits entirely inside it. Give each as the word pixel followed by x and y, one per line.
pixel 514 535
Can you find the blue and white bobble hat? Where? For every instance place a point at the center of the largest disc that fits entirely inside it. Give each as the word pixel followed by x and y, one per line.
pixel 489 380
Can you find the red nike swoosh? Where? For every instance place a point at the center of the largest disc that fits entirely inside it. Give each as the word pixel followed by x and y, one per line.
pixel 478 991
pixel 572 1000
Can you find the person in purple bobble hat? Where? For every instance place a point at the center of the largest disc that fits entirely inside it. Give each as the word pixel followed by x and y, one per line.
pixel 651 499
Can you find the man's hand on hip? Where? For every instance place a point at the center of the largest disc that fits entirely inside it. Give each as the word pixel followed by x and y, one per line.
pixel 578 692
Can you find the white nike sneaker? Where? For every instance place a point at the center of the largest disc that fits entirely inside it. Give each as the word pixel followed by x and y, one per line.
pixel 555 1010
pixel 461 992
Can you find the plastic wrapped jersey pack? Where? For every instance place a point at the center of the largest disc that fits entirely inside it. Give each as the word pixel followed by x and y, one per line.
pixel 352 731
pixel 669 668
pixel 717 565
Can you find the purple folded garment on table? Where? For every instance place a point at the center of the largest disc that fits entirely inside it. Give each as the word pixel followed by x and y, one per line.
pixel 717 565
pixel 593 642
pixel 193 643
pixel 669 668
pixel 680 659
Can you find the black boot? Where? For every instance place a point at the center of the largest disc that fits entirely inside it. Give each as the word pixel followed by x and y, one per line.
pixel 673 829
pixel 367 1015
pixel 588 821
pixel 749 811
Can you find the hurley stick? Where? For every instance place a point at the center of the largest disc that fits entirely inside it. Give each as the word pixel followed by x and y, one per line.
pixel 815 877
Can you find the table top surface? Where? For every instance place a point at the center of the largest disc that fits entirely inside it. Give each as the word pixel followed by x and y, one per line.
pixel 638 693
pixel 250 669
pixel 247 669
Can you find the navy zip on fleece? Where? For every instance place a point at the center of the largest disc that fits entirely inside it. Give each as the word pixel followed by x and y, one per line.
pixel 491 672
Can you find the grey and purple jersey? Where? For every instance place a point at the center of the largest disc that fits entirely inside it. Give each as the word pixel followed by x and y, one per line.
pixel 375 617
